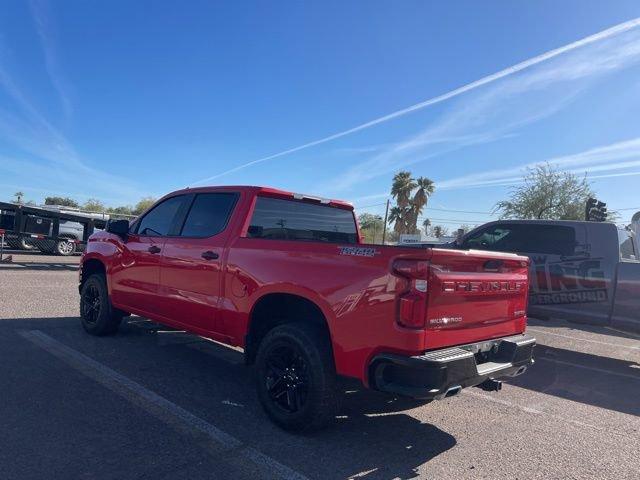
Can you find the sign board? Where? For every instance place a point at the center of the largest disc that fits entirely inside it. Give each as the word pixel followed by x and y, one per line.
pixel 407 239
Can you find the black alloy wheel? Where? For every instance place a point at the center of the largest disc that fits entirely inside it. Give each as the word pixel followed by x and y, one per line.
pixel 90 304
pixel 287 379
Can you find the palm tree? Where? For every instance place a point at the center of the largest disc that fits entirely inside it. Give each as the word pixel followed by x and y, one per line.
pixel 397 216
pixel 402 187
pixel 18 196
pixel 426 224
pixel 426 188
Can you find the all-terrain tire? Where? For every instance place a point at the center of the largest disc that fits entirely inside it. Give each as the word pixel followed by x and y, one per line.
pixel 97 315
pixel 309 376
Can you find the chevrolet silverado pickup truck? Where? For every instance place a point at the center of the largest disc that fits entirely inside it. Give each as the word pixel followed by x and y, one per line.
pixel 286 277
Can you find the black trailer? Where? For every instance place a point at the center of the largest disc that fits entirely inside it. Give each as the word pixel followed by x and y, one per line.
pixel 24 226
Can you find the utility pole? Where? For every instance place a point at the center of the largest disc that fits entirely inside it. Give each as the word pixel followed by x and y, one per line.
pixel 384 227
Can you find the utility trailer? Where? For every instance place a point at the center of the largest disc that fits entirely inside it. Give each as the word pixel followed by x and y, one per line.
pixel 27 227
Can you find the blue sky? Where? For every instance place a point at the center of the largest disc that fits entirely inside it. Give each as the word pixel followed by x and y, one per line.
pixel 119 100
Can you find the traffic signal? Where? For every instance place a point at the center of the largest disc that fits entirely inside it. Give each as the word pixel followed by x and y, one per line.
pixel 595 211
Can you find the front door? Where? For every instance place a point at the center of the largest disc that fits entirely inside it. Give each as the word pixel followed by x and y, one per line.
pixel 192 263
pixel 136 277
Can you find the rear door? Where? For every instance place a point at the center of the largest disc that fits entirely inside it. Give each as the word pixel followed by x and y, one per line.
pixel 192 261
pixel 136 279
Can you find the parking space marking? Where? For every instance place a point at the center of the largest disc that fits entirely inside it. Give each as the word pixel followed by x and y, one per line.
pixel 586 367
pixel 157 405
pixel 535 411
pixel 632 347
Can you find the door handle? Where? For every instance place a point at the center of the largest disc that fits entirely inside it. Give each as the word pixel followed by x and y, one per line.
pixel 153 249
pixel 209 255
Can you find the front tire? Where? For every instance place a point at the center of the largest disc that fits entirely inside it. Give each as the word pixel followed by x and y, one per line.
pixel 296 378
pixel 97 315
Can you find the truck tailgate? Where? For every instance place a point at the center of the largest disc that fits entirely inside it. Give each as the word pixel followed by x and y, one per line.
pixel 475 295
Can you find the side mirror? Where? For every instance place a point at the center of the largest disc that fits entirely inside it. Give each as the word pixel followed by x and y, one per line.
pixel 118 227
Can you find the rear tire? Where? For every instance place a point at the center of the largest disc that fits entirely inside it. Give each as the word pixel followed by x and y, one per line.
pixel 296 378
pixel 19 244
pixel 25 245
pixel 97 315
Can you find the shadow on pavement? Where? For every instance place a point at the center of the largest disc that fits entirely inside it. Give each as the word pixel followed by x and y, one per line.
pixel 585 327
pixel 19 266
pixel 586 378
pixel 373 437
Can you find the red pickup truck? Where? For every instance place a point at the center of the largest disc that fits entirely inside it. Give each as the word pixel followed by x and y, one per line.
pixel 286 277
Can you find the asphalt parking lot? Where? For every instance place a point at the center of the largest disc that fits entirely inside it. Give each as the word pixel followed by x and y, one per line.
pixel 154 403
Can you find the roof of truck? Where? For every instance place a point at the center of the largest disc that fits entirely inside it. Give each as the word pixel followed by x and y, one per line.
pixel 268 191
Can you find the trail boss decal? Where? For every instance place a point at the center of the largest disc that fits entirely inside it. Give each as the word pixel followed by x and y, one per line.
pixel 359 251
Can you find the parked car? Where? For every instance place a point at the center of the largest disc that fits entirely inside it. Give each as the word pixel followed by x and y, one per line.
pixel 70 232
pixel 580 271
pixel 286 277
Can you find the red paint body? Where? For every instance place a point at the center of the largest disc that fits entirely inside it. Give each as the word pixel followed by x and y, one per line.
pixel 365 299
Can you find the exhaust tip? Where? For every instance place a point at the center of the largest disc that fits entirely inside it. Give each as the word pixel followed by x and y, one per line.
pixel 453 391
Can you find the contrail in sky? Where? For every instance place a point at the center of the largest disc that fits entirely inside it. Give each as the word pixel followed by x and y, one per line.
pixel 617 29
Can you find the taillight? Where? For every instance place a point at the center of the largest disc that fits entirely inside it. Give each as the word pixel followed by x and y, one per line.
pixel 412 311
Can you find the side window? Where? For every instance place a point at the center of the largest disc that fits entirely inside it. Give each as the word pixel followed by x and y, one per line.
pixel 159 220
pixel 627 248
pixel 280 219
pixel 486 239
pixel 543 239
pixel 526 238
pixel 209 214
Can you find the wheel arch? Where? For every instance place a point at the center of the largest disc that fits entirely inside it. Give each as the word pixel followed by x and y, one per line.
pixel 276 308
pixel 91 266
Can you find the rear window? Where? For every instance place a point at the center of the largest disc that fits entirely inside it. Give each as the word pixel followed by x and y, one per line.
pixel 525 238
pixel 279 219
pixel 627 248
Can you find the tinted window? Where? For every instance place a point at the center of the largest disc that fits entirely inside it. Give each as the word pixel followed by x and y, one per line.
pixel 523 238
pixel 290 220
pixel 208 214
pixel 627 248
pixel 159 220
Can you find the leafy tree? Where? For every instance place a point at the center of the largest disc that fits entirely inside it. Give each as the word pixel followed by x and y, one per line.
pixel 439 231
pixel 142 205
pixel 66 201
pixel 548 194
pixel 370 226
pixel 94 205
pixel 122 210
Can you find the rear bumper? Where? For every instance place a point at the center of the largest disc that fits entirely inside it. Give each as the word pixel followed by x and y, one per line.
pixel 440 373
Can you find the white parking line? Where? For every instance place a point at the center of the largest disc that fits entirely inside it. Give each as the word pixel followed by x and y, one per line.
pixel 579 339
pixel 157 405
pixel 586 367
pixel 533 411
